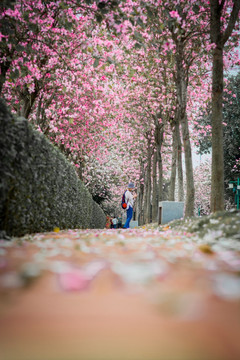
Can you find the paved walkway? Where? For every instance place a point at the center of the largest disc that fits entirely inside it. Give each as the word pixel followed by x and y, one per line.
pixel 118 295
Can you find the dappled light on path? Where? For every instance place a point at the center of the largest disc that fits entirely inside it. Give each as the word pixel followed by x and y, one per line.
pixel 118 294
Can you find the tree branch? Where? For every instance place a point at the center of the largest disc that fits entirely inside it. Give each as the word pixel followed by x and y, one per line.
pixel 222 5
pixel 232 21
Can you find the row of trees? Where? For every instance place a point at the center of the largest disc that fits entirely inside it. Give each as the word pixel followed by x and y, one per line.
pixel 119 85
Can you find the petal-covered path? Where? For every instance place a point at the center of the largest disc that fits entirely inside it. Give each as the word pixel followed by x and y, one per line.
pixel 118 295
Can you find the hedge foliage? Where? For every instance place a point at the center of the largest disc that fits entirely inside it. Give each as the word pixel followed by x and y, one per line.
pixel 39 188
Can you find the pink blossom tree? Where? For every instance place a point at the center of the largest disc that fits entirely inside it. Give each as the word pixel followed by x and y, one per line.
pixel 117 86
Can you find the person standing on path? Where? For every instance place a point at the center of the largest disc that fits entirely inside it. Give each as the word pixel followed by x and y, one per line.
pixel 114 221
pixel 129 198
pixel 108 223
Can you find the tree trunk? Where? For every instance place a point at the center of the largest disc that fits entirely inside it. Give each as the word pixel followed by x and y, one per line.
pixel 160 175
pixel 139 214
pixel 217 183
pixel 179 164
pixel 219 38
pixel 80 171
pixel 189 204
pixel 154 192
pixel 149 192
pixel 140 198
pixel 159 131
pixel 145 194
pixel 171 194
pixel 149 184
pixel 28 101
pixel 4 69
pixel 181 87
pixel 41 119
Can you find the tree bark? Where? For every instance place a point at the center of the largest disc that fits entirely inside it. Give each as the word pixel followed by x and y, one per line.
pixel 28 100
pixel 172 186
pixel 4 69
pixel 149 184
pixel 140 197
pixel 159 131
pixel 219 39
pixel 154 190
pixel 189 203
pixel 179 165
pixel 181 87
pixel 41 119
pixel 217 182
pixel 27 106
pixel 160 175
pixel 145 193
pixel 149 192
pixel 176 166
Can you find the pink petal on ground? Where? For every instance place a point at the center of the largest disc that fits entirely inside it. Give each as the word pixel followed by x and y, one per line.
pixel 74 280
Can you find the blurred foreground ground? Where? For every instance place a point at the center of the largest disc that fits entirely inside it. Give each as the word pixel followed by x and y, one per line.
pixel 139 294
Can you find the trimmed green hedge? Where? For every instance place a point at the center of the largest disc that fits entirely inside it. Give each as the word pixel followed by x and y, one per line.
pixel 98 217
pixel 39 188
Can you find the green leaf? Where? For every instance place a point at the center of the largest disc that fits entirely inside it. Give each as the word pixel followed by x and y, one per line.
pixel 63 5
pixel 26 16
pixel 171 23
pixel 99 18
pixel 162 26
pixel 20 48
pixel 29 47
pixel 33 27
pixel 109 60
pixel 104 11
pixel 196 8
pixel 15 74
pixel 24 70
pixel 132 20
pixel 137 35
pixel 138 45
pixel 90 49
pixel 131 73
pixel 150 14
pixel 140 22
pixel 96 62
pixel 68 25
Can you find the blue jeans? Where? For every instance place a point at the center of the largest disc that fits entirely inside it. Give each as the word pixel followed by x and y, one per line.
pixel 129 217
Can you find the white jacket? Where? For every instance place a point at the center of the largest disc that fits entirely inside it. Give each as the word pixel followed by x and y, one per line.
pixel 129 199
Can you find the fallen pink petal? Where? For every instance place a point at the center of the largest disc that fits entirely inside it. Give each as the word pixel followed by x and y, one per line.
pixel 74 280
